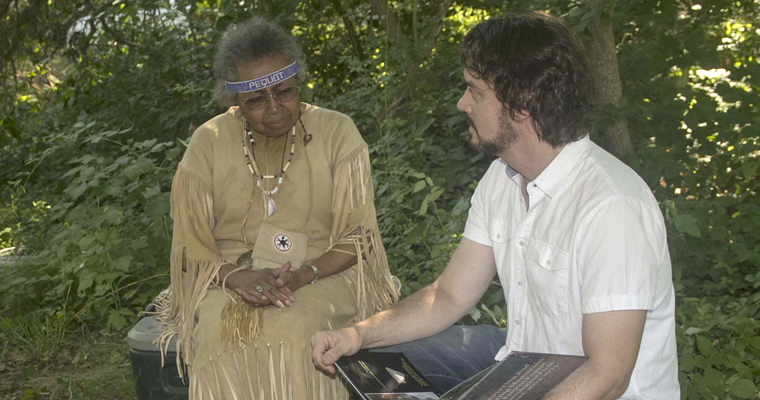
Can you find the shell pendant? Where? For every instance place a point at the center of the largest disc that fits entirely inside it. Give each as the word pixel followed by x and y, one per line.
pixel 270 207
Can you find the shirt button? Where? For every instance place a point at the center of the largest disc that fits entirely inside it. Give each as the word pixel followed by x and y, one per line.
pixel 519 283
pixel 498 236
pixel 548 262
pixel 517 322
pixel 522 243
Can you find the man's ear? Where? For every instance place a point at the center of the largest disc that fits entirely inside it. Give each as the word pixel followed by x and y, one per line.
pixel 522 116
pixel 523 122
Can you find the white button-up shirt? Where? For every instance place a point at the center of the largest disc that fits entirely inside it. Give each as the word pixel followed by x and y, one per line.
pixel 592 240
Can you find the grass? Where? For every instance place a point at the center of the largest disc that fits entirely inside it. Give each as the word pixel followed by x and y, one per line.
pixel 88 367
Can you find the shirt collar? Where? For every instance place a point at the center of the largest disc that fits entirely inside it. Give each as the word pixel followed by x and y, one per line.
pixel 556 172
pixel 511 174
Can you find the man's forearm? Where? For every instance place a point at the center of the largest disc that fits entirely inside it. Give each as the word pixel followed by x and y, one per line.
pixel 611 340
pixel 428 311
pixel 588 383
pixel 437 306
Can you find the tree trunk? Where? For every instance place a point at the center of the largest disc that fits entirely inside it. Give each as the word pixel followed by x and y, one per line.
pixel 607 87
pixel 422 55
pixel 381 8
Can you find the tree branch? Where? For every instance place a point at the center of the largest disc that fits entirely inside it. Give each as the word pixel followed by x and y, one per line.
pixel 435 30
pixel 116 34
pixel 5 6
pixel 349 28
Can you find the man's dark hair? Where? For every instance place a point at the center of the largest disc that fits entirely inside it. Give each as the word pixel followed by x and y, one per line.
pixel 534 63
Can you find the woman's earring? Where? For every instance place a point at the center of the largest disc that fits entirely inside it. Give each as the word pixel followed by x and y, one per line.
pixel 306 139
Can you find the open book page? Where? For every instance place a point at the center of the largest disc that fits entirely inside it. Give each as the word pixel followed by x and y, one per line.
pixel 520 376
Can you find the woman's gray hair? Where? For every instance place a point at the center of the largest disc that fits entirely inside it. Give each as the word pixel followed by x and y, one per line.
pixel 249 41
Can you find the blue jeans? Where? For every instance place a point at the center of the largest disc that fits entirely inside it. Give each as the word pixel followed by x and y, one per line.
pixel 452 356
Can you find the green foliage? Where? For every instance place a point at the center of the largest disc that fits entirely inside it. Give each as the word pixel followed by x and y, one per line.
pixel 719 346
pixel 105 236
pixel 38 335
pixel 98 98
pixel 693 104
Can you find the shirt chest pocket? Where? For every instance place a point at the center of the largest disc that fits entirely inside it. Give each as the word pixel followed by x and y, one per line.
pixel 548 267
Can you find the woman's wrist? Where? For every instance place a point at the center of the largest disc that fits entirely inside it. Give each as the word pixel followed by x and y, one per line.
pixel 224 272
pixel 310 273
pixel 314 270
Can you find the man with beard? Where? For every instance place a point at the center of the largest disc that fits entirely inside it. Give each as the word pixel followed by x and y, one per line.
pixel 575 236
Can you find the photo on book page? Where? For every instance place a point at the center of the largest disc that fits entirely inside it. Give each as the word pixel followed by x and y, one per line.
pixel 387 376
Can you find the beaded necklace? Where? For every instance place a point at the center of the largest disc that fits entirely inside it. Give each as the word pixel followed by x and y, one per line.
pixel 250 160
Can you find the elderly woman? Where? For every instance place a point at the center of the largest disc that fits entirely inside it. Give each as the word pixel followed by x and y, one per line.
pixel 275 233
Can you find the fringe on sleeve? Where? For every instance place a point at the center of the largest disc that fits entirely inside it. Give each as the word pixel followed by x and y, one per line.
pixel 355 223
pixel 194 261
pixel 352 184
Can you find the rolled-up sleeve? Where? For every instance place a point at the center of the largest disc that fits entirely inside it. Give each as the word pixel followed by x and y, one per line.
pixel 620 252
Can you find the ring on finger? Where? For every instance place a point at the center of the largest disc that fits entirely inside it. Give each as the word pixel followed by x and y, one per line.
pixel 259 289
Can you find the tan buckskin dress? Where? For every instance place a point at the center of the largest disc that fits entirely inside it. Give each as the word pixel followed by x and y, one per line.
pixel 233 350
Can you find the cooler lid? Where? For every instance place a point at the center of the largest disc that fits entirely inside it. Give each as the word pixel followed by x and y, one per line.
pixel 145 332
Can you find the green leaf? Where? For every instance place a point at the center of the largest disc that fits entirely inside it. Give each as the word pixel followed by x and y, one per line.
pixel 116 320
pixel 743 389
pixel 85 241
pixel 424 205
pixel 137 168
pixel 418 186
pixel 85 282
pixel 475 314
pixel 149 143
pixel 704 345
pixel 123 263
pixel 496 297
pixel 688 224
pixel 138 244
pixel 749 169
pixel 76 192
pixel 686 362
pixel 693 330
pixel 435 193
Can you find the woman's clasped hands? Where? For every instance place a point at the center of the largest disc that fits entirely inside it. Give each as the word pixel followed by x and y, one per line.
pixel 266 286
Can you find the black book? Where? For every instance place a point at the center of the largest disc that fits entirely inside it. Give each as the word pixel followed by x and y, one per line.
pixel 520 376
pixel 375 376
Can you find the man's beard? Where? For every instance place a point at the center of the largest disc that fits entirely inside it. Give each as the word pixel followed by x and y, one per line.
pixel 503 140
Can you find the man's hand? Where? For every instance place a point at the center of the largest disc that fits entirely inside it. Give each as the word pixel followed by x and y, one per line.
pixel 329 346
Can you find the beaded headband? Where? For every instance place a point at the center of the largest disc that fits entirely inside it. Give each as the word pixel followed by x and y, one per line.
pixel 264 81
